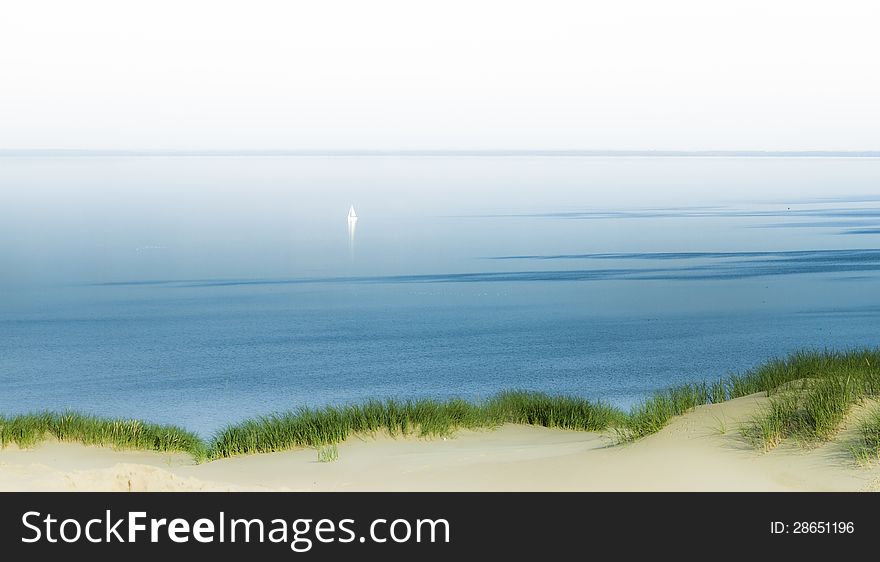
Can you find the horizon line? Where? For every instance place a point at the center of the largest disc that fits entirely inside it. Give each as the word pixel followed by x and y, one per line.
pixel 64 152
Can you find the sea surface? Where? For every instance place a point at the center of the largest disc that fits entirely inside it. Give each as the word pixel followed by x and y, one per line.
pixel 204 290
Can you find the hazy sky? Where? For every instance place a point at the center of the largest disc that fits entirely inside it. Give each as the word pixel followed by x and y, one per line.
pixel 472 74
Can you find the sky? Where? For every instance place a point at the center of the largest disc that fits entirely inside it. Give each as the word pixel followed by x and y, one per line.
pixel 472 74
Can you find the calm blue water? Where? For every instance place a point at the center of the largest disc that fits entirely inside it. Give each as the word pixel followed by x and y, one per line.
pixel 201 291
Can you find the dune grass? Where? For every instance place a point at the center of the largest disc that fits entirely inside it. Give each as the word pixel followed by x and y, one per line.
pixel 868 447
pixel 655 412
pixel 314 427
pixel 813 411
pixel 429 418
pixel 811 394
pixel 29 429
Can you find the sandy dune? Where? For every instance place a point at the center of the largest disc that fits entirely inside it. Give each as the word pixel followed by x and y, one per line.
pixel 698 451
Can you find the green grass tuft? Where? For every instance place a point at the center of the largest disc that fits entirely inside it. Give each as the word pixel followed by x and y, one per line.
pixel 427 418
pixel 28 429
pixel 867 450
pixel 831 383
pixel 328 453
pixel 654 413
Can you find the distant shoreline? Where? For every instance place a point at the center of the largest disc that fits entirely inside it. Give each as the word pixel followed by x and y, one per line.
pixel 54 153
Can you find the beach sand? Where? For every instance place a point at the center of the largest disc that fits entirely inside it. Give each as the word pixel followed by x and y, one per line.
pixel 702 450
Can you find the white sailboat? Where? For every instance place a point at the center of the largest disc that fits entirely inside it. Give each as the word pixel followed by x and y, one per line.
pixel 352 222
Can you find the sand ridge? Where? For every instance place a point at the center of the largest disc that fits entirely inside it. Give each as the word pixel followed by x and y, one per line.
pixel 701 450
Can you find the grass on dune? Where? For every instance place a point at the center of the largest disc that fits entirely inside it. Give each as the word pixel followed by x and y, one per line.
pixel 654 413
pixel 316 428
pixel 811 394
pixel 867 449
pixel 29 429
pixel 830 384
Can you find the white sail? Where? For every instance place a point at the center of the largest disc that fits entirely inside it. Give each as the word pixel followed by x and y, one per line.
pixel 352 224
